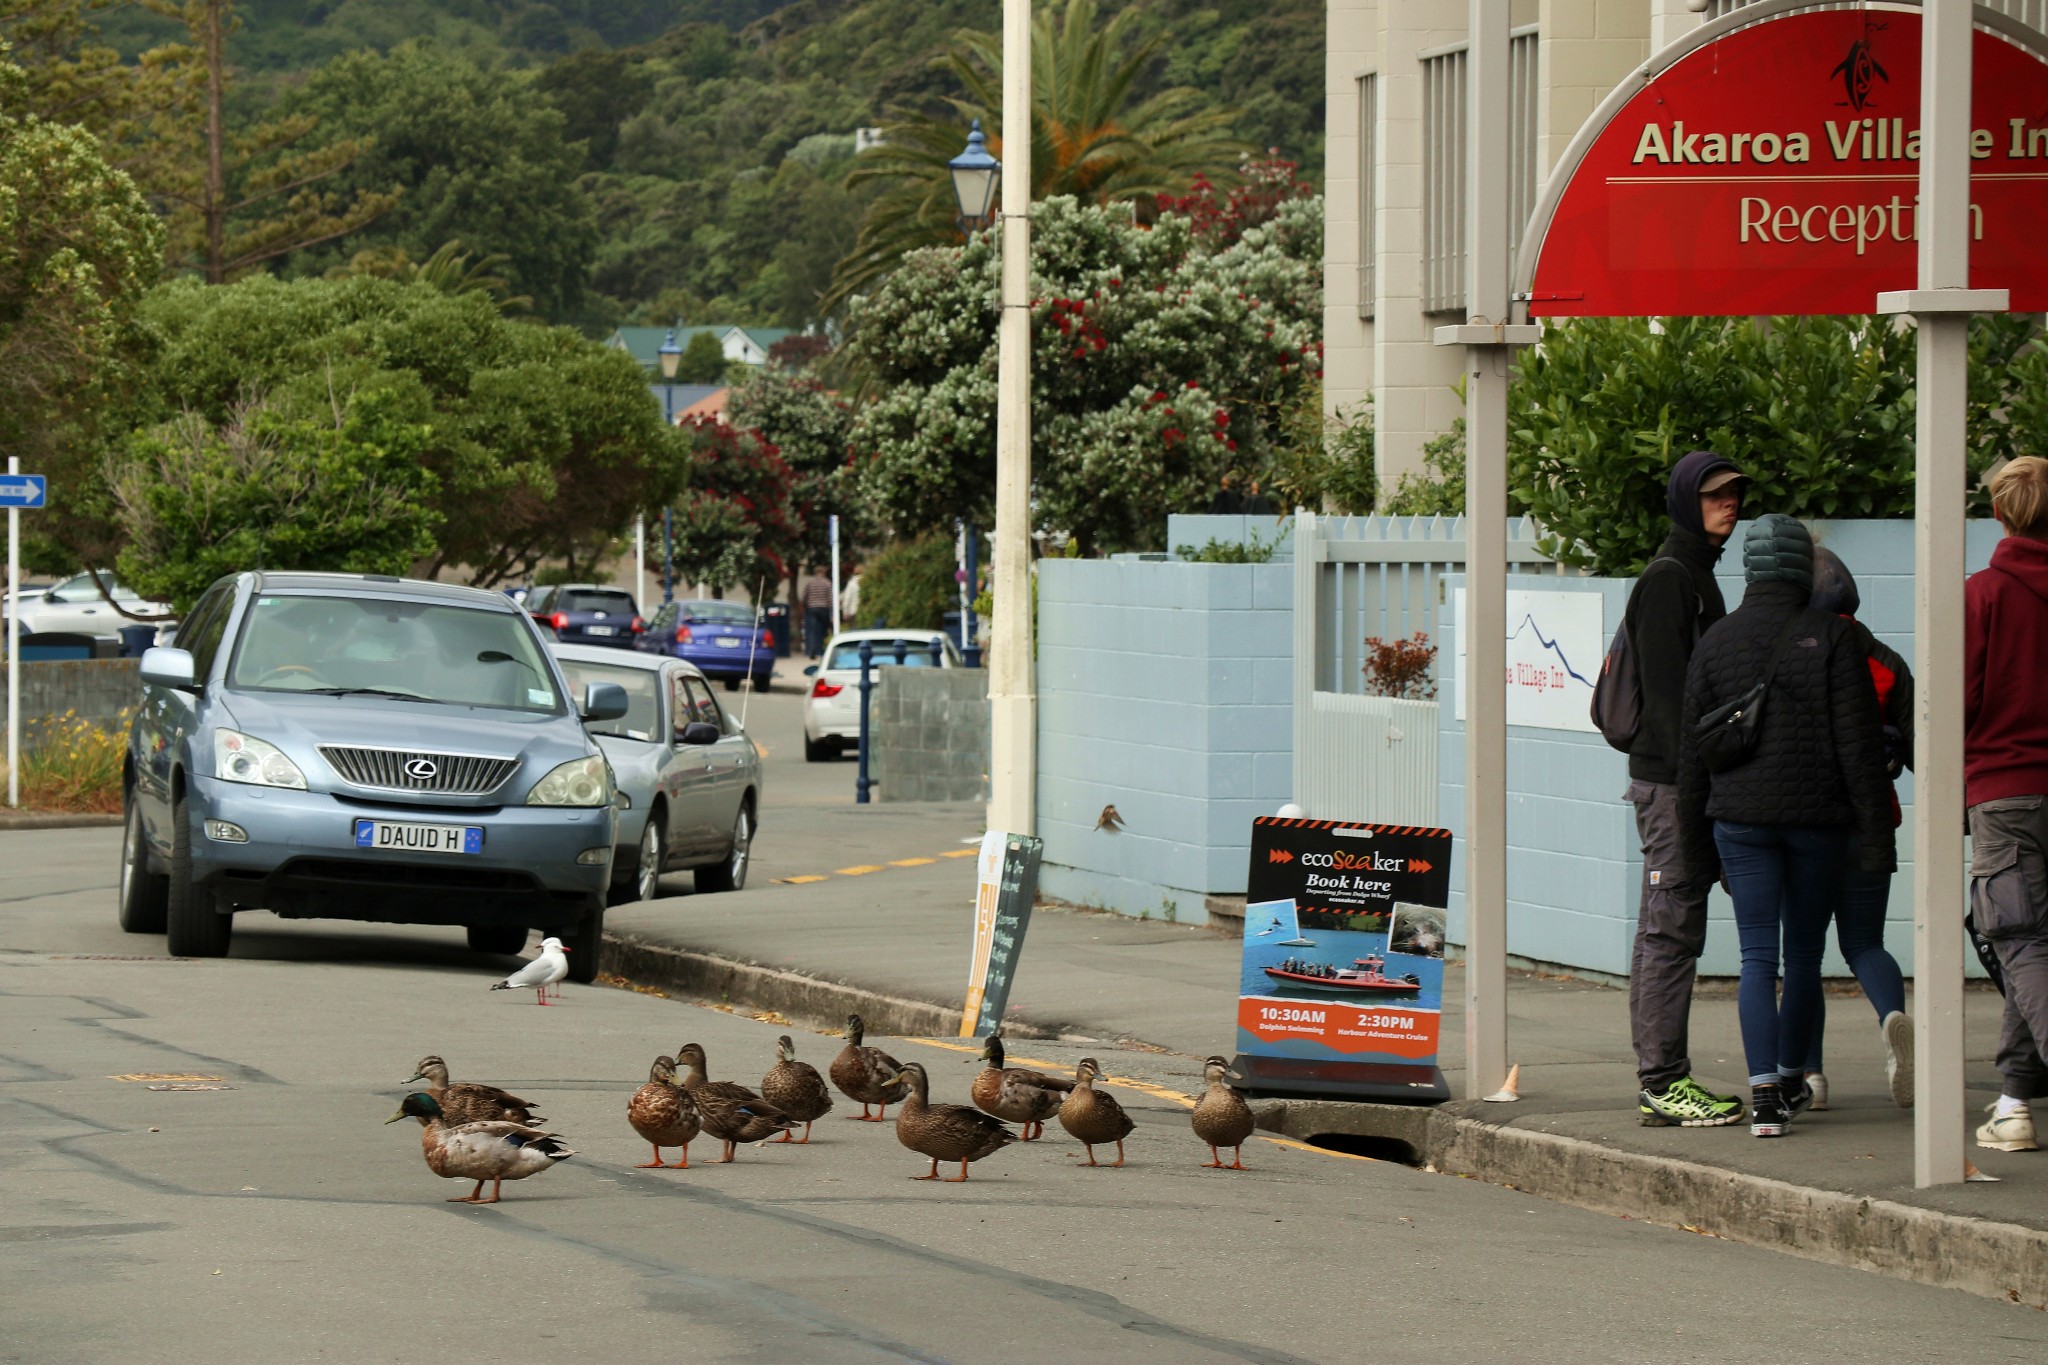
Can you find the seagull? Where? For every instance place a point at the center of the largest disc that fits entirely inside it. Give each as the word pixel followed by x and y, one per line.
pixel 1109 820
pixel 544 971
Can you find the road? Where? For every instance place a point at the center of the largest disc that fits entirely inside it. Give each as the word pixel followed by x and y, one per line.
pixel 276 1219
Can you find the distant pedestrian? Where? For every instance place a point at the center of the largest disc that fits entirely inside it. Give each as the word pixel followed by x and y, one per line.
pixel 849 599
pixel 816 597
pixel 2005 776
pixel 1781 781
pixel 1864 896
pixel 1674 602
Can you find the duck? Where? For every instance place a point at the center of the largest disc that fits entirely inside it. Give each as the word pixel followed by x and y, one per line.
pixel 496 1152
pixel 1221 1117
pixel 1015 1093
pixel 867 1074
pixel 544 971
pixel 469 1102
pixel 796 1089
pixel 945 1132
pixel 1093 1116
pixel 663 1112
pixel 731 1113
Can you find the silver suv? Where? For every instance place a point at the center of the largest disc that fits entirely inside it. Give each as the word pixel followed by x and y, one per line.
pixel 356 746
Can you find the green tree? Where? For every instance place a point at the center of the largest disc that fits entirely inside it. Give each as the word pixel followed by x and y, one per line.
pixel 264 488
pixel 450 269
pixel 702 360
pixel 736 522
pixel 809 426
pixel 1092 138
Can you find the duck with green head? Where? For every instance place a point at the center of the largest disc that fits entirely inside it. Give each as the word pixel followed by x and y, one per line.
pixel 496 1152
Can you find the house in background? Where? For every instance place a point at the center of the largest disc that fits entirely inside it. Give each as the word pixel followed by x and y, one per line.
pixel 741 345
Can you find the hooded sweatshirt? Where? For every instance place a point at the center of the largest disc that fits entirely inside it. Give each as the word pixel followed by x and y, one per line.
pixel 1673 604
pixel 2005 651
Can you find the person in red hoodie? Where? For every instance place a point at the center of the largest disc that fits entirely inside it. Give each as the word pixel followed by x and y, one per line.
pixel 2005 778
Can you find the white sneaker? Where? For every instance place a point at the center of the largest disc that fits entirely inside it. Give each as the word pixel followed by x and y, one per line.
pixel 1898 1057
pixel 1817 1082
pixel 2013 1133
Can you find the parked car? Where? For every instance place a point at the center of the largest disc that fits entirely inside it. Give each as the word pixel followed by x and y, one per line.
pixel 587 614
pixel 75 606
pixel 832 707
pixel 357 746
pixel 724 639
pixel 689 778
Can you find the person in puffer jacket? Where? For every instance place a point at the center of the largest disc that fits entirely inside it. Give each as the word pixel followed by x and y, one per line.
pixel 1859 915
pixel 1811 798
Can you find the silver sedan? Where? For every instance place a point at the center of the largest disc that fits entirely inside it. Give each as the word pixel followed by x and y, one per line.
pixel 689 778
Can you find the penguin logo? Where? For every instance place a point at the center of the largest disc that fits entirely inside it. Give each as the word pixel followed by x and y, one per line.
pixel 1859 72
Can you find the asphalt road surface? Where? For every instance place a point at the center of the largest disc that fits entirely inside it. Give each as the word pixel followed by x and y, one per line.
pixel 275 1218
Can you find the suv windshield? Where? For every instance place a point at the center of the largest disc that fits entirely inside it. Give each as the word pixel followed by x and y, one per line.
pixel 611 603
pixel 643 702
pixel 421 651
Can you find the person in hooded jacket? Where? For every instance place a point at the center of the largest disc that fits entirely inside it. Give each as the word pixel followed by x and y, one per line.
pixel 1673 603
pixel 1859 914
pixel 1810 797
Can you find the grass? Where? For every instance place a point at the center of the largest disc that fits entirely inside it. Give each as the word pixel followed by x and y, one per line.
pixel 71 764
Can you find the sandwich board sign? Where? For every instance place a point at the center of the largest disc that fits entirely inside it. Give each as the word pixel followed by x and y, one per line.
pixel 1005 886
pixel 1341 981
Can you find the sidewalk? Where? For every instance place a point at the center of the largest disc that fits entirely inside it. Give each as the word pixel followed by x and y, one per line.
pixel 893 944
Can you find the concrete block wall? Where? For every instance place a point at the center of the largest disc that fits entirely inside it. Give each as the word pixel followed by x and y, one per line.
pixel 1574 868
pixel 1165 690
pixel 98 690
pixel 931 734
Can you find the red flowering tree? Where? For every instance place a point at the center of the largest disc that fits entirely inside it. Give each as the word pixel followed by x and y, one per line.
pixel 1220 218
pixel 736 520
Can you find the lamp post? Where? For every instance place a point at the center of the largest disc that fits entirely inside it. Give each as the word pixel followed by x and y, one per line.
pixel 975 176
pixel 671 358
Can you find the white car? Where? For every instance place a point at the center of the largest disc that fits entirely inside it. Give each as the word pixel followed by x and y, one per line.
pixel 75 607
pixel 832 707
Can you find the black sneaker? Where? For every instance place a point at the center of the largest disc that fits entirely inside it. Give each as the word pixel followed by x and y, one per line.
pixel 1797 1101
pixel 1769 1116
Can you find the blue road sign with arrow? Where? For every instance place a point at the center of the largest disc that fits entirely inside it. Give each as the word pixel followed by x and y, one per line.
pixel 22 490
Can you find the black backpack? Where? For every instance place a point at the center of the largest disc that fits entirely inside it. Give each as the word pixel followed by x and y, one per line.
pixel 1617 709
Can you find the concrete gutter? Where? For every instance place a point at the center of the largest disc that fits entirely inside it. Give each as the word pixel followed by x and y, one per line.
pixel 1950 1251
pixel 33 819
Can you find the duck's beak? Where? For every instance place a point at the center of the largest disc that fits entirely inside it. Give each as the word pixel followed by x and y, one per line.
pixel 410 1080
pixel 396 1117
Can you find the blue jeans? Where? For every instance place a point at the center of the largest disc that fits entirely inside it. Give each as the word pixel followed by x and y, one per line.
pixel 1859 930
pixel 1785 880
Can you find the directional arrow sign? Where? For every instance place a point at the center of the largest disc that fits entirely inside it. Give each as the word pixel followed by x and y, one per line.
pixel 22 490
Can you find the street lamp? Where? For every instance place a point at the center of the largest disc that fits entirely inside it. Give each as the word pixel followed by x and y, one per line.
pixel 975 174
pixel 671 357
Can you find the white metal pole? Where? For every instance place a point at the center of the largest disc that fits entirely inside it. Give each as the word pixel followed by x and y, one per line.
pixel 640 561
pixel 13 645
pixel 1013 701
pixel 833 523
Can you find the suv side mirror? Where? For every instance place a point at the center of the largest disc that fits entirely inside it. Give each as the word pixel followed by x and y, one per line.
pixel 604 701
pixel 699 732
pixel 166 667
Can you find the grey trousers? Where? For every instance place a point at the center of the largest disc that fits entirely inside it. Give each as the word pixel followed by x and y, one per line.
pixel 2009 901
pixel 1671 932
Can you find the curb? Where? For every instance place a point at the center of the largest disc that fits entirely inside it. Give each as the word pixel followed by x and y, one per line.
pixel 1950 1251
pixel 29 819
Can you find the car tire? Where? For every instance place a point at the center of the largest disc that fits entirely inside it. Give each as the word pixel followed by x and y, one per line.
pixel 144 895
pixel 732 684
pixel 653 852
pixel 818 751
pixel 505 940
pixel 730 872
pixel 585 942
pixel 193 926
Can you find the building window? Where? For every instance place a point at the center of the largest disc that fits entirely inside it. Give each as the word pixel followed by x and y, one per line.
pixel 1368 171
pixel 1445 116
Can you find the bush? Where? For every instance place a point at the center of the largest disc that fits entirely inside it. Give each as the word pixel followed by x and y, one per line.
pixel 70 764
pixel 1325 462
pixel 910 584
pixel 1439 490
pixel 1400 668
pixel 1252 551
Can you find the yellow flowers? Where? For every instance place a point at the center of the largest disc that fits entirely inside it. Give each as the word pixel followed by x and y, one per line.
pixel 69 763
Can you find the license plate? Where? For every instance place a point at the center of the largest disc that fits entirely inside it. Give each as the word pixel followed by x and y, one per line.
pixel 727 642
pixel 600 630
pixel 410 838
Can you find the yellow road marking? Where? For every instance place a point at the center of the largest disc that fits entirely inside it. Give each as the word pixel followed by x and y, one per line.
pixel 913 862
pixel 960 853
pixel 799 881
pixel 860 871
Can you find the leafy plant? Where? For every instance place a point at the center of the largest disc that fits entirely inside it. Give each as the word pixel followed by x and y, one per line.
pixel 910 583
pixel 72 764
pixel 1439 490
pixel 1400 668
pixel 1324 461
pixel 1252 550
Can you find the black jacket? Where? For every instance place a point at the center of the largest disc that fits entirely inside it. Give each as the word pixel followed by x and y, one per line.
pixel 1820 757
pixel 1674 603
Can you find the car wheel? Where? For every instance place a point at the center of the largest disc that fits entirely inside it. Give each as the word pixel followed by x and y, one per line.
pixel 585 942
pixel 144 896
pixel 730 874
pixel 505 940
pixel 653 854
pixel 732 684
pixel 818 751
pixel 193 927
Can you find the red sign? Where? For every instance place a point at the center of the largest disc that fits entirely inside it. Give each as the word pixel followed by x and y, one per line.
pixel 1383 1030
pixel 1776 170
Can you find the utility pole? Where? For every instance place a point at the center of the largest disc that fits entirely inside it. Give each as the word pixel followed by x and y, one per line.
pixel 215 207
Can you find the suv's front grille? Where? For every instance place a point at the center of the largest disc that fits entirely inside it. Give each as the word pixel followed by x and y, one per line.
pixel 410 770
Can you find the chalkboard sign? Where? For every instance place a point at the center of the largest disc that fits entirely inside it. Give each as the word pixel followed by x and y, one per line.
pixel 1009 884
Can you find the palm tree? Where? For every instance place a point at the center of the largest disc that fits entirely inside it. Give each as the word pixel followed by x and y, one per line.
pixel 1087 140
pixel 450 269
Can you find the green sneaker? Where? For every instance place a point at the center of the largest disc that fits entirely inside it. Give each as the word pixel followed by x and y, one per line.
pixel 1688 1104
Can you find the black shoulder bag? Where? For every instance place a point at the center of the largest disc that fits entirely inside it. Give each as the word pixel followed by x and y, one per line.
pixel 1726 736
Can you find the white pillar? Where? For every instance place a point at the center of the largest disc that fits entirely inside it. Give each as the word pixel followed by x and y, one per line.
pixel 1941 306
pixel 640 561
pixel 1013 701
pixel 14 645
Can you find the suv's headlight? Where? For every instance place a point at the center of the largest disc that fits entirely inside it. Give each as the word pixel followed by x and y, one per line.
pixel 244 758
pixel 579 782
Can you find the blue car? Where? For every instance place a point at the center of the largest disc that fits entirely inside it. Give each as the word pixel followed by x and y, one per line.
pixel 352 746
pixel 587 614
pixel 726 640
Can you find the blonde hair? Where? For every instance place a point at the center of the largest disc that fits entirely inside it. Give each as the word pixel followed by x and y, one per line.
pixel 2019 497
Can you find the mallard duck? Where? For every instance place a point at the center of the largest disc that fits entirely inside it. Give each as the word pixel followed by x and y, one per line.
pixel 663 1112
pixel 795 1088
pixel 731 1113
pixel 1221 1117
pixel 867 1074
pixel 944 1132
pixel 469 1102
pixel 496 1152
pixel 1092 1116
pixel 1015 1093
